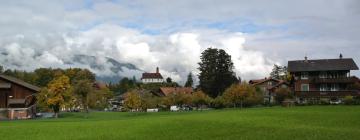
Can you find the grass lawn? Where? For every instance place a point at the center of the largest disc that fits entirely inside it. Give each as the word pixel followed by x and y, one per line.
pixel 310 122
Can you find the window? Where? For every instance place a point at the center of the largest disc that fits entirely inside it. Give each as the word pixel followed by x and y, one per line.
pixel 323 74
pixel 304 87
pixel 334 87
pixel 269 83
pixel 304 75
pixel 323 87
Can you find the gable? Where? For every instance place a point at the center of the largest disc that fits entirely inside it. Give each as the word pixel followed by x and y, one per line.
pixel 14 81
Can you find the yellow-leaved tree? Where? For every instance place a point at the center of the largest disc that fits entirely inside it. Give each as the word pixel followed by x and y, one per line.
pixel 132 101
pixel 56 94
pixel 199 99
pixel 239 94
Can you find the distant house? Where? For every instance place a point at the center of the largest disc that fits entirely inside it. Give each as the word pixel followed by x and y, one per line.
pixel 165 91
pixel 325 79
pixel 17 98
pixel 268 86
pixel 152 77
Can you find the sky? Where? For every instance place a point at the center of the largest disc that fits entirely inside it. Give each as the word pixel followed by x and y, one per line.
pixel 172 34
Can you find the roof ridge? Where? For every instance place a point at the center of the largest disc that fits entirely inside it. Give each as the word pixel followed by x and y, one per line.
pixel 20 82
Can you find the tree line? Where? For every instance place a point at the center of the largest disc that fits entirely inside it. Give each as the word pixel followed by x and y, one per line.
pixel 65 89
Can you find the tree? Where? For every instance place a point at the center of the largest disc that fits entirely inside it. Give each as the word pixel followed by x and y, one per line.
pixel 168 80
pixel 82 89
pixel 281 94
pixel 98 98
pixel 57 92
pixel 123 86
pixel 84 74
pixel 199 99
pixel 189 82
pixel 44 76
pixel 218 102
pixel 148 100
pixel 179 99
pixel 280 73
pixel 236 94
pixel 216 71
pixel 1 69
pixel 242 94
pixel 132 101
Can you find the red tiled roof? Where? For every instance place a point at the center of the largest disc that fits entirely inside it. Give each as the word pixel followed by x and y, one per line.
pixel 151 76
pixel 169 90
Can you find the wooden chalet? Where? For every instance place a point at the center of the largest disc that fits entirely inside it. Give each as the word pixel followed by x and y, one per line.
pixel 268 87
pixel 17 98
pixel 326 79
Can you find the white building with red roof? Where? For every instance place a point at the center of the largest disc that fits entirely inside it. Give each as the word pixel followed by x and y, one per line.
pixel 152 77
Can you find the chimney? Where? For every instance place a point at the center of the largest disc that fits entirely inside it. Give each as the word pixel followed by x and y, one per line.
pixel 341 56
pixel 157 69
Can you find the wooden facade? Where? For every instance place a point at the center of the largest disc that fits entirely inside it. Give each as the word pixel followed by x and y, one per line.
pixel 17 97
pixel 326 79
pixel 268 87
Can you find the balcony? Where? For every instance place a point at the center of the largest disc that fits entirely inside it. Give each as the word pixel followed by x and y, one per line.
pixel 340 93
pixel 333 80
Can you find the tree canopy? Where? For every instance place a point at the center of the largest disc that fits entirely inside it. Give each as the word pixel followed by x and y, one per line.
pixel 216 71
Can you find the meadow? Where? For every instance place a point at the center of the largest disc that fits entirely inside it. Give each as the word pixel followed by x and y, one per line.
pixel 296 123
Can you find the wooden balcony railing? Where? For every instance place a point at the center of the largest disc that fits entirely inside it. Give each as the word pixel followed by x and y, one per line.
pixel 340 93
pixel 333 80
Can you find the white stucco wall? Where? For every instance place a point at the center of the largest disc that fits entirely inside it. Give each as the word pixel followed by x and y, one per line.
pixel 152 80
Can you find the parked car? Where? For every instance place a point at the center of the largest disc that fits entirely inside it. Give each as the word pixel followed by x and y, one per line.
pixel 335 102
pixel 152 110
pixel 174 108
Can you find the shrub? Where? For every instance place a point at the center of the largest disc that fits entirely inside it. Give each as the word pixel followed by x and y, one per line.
pixel 218 102
pixel 242 95
pixel 324 102
pixel 282 94
pixel 199 99
pixel 348 100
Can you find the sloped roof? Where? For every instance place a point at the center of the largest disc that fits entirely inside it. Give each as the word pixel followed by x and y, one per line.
pixel 181 90
pixel 279 84
pixel 322 65
pixel 151 76
pixel 20 82
pixel 259 81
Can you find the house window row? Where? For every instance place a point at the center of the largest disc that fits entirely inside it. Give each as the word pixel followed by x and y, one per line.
pixel 305 75
pixel 323 87
pixel 152 80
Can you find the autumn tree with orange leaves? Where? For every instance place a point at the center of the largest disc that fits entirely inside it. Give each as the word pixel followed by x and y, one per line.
pixel 56 94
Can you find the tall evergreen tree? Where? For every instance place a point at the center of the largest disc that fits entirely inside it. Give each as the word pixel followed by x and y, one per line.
pixel 279 72
pixel 189 81
pixel 216 71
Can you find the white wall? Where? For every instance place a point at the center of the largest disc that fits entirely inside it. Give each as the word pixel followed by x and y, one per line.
pixel 152 80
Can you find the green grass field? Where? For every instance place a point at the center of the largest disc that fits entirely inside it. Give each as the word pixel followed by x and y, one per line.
pixel 311 122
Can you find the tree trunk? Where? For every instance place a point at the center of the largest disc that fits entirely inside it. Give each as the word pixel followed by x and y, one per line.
pixel 56 110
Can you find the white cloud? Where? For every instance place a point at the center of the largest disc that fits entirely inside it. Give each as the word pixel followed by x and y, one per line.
pixel 46 34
